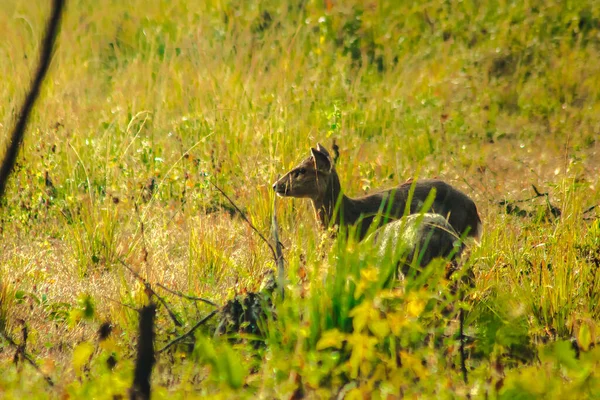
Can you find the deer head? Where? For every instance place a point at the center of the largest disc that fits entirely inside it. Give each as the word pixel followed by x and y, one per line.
pixel 309 179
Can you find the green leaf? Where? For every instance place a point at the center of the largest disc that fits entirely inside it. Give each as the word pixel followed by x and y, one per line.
pixel 86 305
pixel 227 367
pixel 232 369
pixel 565 354
pixel 584 337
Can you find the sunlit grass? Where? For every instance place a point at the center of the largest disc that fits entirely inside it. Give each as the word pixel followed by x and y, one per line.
pixel 148 101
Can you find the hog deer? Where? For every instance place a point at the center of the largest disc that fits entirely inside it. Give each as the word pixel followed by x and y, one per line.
pixel 316 178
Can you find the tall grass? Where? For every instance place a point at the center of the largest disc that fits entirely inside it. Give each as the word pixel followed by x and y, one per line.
pixel 149 101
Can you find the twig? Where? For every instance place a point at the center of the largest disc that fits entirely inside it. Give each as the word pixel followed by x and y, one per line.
pixel 511 208
pixel 16 138
pixel 143 235
pixel 463 357
pixel 27 357
pixel 278 251
pixel 246 219
pixel 537 195
pixel 428 20
pixel 120 303
pixel 555 211
pixel 537 192
pixel 589 209
pixel 185 296
pixel 21 348
pixel 188 333
pixel 148 287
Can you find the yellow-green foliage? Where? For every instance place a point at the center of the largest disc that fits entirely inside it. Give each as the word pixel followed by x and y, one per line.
pixel 146 102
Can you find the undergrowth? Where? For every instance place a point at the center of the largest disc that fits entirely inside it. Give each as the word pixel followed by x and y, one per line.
pixel 147 103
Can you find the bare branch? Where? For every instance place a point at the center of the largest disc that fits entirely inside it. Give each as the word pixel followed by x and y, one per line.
pixel 120 303
pixel 278 251
pixel 537 192
pixel 16 138
pixel 27 357
pixel 463 355
pixel 185 296
pixel 190 332
pixel 246 219
pixel 146 358
pixel 148 287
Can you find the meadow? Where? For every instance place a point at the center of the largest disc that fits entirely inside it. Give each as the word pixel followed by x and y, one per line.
pixel 150 104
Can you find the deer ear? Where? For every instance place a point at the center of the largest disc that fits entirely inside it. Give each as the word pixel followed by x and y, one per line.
pixel 321 160
pixel 323 150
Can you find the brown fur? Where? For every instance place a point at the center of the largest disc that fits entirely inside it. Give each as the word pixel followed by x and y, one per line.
pixel 316 178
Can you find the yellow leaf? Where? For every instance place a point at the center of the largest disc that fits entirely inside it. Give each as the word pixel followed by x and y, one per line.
pixel 82 355
pixel 414 364
pixel 415 305
pixel 380 328
pixel 360 289
pixel 331 338
pixel 362 350
pixel 108 345
pixel 387 294
pixel 355 394
pixel 396 322
pixel 367 277
pixel 370 274
pixel 362 314
pixel 359 315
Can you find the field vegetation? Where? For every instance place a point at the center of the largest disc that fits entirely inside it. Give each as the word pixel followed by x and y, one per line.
pixel 150 104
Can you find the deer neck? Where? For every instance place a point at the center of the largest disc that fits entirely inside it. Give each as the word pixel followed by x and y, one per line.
pixel 333 203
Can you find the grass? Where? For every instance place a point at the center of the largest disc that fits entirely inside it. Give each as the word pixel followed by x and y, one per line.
pixel 147 102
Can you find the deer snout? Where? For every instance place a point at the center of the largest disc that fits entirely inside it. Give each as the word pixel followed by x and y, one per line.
pixel 279 187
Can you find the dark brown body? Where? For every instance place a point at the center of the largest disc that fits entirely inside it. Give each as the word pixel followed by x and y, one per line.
pixel 316 178
pixel 454 205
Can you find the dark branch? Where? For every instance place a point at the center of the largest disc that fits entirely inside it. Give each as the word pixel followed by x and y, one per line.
pixel 190 332
pixel 185 296
pixel 145 355
pixel 27 357
pixel 16 138
pixel 246 219
pixel 463 355
pixel 120 303
pixel 537 192
pixel 149 289
pixel 512 208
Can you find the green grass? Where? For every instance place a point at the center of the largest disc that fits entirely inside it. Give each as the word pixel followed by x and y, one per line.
pixel 146 102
